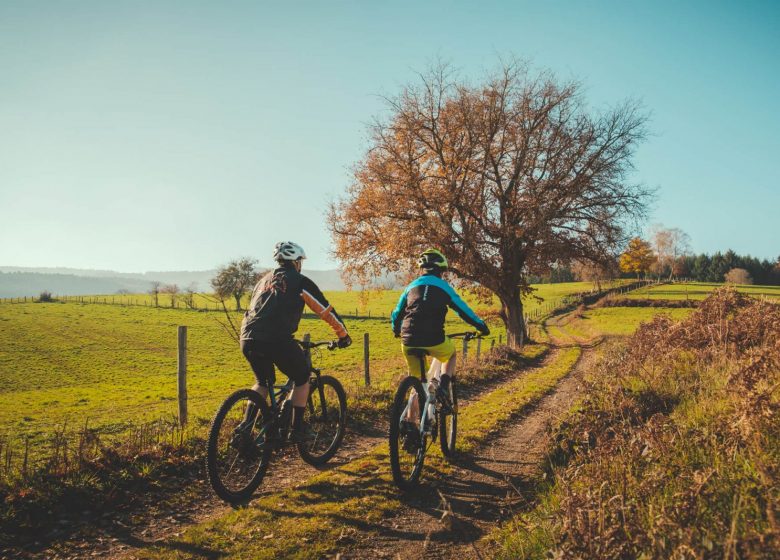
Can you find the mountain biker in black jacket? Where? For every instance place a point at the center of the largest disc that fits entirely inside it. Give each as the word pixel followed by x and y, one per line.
pixel 271 320
pixel 419 320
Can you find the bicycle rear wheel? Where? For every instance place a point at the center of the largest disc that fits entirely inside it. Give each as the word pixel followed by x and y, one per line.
pixel 448 423
pixel 407 447
pixel 326 419
pixel 239 448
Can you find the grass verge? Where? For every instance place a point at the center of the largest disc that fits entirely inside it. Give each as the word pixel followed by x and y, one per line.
pixel 315 518
pixel 675 452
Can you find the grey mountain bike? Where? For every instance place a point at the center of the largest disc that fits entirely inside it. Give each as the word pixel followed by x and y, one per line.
pixel 413 432
pixel 246 430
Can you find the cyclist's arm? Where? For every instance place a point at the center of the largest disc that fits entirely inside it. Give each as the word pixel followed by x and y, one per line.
pixel 464 311
pixel 398 313
pixel 314 299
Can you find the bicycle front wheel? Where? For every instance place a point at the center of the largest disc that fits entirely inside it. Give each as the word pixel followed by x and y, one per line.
pixel 326 420
pixel 448 423
pixel 239 446
pixel 407 446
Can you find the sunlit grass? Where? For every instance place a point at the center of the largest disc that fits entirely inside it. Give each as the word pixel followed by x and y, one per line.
pixel 698 291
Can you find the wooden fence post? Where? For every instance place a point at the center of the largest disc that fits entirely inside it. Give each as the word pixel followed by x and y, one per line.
pixel 182 375
pixel 479 347
pixel 465 349
pixel 366 354
pixel 492 343
pixel 500 337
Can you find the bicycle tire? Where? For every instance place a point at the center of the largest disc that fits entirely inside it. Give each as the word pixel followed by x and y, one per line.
pixel 403 480
pixel 316 455
pixel 262 452
pixel 448 424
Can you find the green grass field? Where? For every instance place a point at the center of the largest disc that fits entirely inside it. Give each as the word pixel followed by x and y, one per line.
pixel 619 320
pixel 698 291
pixel 376 303
pixel 112 365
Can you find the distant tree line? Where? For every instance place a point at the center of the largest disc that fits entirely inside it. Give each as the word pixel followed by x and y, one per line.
pixel 713 268
pixel 699 268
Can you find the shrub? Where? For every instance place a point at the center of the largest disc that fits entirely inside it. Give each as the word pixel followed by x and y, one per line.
pixel 675 452
pixel 738 276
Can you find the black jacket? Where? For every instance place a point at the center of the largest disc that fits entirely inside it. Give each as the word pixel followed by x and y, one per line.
pixel 419 316
pixel 277 305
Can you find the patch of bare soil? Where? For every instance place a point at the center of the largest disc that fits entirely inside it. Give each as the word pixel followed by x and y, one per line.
pixel 187 499
pixel 447 520
pixel 174 504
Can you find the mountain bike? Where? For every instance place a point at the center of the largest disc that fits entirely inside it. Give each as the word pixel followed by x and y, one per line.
pixel 410 440
pixel 246 430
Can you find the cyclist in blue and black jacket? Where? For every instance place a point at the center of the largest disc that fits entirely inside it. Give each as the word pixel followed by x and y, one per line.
pixel 419 319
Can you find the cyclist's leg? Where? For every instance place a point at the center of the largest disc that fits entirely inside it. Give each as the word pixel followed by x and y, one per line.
pixel 434 372
pixel 413 363
pixel 291 361
pixel 262 367
pixel 446 355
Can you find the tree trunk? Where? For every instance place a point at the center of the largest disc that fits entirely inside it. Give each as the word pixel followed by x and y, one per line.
pixel 238 301
pixel 512 315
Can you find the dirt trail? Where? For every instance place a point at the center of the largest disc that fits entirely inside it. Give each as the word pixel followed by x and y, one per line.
pixel 120 534
pixel 485 488
pixel 478 494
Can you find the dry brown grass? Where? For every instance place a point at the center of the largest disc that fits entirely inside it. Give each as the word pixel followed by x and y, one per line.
pixel 676 451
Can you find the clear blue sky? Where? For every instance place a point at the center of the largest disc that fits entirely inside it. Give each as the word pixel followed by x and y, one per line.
pixel 177 135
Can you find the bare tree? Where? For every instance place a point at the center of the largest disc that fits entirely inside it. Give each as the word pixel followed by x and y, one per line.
pixel 504 176
pixel 155 292
pixel 171 290
pixel 189 295
pixel 738 276
pixel 597 273
pixel 235 279
pixel 669 244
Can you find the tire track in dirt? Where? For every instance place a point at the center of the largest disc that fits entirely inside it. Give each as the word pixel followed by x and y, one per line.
pixel 124 533
pixel 484 489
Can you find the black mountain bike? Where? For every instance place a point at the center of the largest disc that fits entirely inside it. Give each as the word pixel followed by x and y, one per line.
pixel 410 440
pixel 246 430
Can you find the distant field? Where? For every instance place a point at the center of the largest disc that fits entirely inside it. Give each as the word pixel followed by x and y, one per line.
pixel 620 320
pixel 113 364
pixel 110 364
pixel 698 291
pixel 376 303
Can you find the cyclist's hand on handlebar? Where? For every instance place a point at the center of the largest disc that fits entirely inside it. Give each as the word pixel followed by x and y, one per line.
pixel 345 341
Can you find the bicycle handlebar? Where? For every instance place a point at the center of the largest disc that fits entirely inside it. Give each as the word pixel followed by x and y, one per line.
pixel 331 344
pixel 466 335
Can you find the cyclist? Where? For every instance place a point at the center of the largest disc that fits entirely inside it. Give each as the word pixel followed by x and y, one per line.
pixel 270 321
pixel 419 320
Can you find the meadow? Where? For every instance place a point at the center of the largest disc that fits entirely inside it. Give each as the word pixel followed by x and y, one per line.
pixel 698 291
pixel 64 365
pixel 67 364
pixel 355 303
pixel 112 366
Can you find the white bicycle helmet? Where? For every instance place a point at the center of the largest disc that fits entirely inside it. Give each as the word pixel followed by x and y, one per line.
pixel 288 251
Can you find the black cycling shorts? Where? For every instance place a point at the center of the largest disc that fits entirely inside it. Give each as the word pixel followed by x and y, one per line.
pixel 287 355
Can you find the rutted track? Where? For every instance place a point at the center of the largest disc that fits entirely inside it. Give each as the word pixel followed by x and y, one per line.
pixel 448 520
pixel 476 491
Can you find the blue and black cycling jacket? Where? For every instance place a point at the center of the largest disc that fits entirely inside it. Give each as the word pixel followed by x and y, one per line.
pixel 419 316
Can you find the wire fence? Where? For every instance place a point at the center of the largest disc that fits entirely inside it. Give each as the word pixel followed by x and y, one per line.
pixel 67 448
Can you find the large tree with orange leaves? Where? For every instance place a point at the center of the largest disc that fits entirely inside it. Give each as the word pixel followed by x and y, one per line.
pixel 505 176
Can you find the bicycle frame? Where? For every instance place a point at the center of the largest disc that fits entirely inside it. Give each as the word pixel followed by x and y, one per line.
pixel 430 399
pixel 279 393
